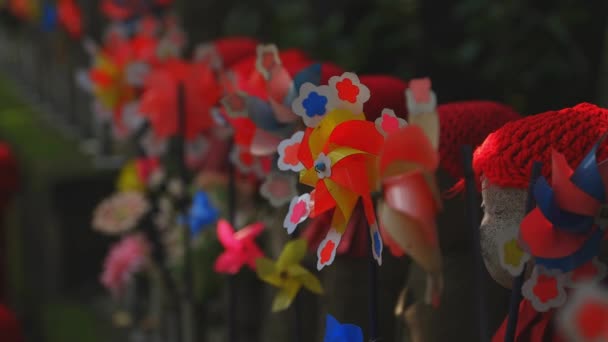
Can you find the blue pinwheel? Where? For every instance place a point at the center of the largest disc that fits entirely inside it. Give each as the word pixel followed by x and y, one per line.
pixel 337 332
pixel 202 213
pixel 49 17
pixel 567 227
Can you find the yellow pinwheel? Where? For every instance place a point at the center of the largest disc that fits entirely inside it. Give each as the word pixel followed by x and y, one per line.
pixel 287 274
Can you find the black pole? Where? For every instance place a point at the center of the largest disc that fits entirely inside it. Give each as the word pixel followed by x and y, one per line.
pixel 232 281
pixel 188 326
pixel 479 290
pixel 519 280
pixel 373 288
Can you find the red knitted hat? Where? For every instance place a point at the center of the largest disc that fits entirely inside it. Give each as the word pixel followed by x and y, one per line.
pixel 234 49
pixel 506 156
pixel 385 92
pixel 468 123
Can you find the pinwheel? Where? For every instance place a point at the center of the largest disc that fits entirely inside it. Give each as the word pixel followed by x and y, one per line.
pixel 565 231
pixel 240 248
pixel 407 165
pixel 245 100
pixel 287 274
pixel 202 212
pixel 160 100
pixel 337 332
pixel 331 157
pixel 385 91
pixel 70 18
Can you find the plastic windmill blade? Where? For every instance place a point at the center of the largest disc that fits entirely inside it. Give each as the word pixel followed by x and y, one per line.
pixel 411 199
pixel 202 212
pixel 422 108
pixel 333 159
pixel 70 17
pixel 337 332
pixel 287 274
pixel 280 86
pixel 566 229
pixel 240 248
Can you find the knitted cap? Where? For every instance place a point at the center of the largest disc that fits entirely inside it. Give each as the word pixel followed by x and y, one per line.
pixel 468 123
pixel 234 49
pixel 506 156
pixel 385 92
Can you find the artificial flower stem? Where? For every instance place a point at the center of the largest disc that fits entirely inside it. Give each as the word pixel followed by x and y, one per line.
pixel 519 280
pixel 373 288
pixel 189 334
pixel 478 288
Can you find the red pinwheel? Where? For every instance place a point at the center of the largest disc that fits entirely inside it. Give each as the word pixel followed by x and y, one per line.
pixel 566 228
pixel 70 18
pixel 565 231
pixel 240 247
pixel 159 102
pixel 331 158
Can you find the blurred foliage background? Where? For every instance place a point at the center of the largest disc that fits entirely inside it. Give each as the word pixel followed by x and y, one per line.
pixel 534 55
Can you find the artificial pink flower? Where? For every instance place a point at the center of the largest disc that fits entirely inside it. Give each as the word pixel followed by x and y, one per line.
pixel 240 247
pixel 125 258
pixel 120 213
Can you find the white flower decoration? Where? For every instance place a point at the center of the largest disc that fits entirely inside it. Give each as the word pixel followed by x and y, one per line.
pixel 279 188
pixel 153 146
pixel 512 258
pixel 579 277
pixel 326 253
pixel 286 149
pixel 589 296
pixel 131 117
pixel 84 81
pixel 267 59
pixel 236 104
pixel 235 158
pixel 136 72
pixel 349 92
pixel 323 166
pixel 299 209
pixel 313 103
pixel 176 187
pixel 548 278
pixel 389 122
pixel 207 53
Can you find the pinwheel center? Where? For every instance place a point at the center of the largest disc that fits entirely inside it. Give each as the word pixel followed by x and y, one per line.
pixel 284 275
pixel 320 167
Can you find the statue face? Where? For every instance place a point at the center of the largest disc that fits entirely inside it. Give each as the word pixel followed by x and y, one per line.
pixel 504 209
